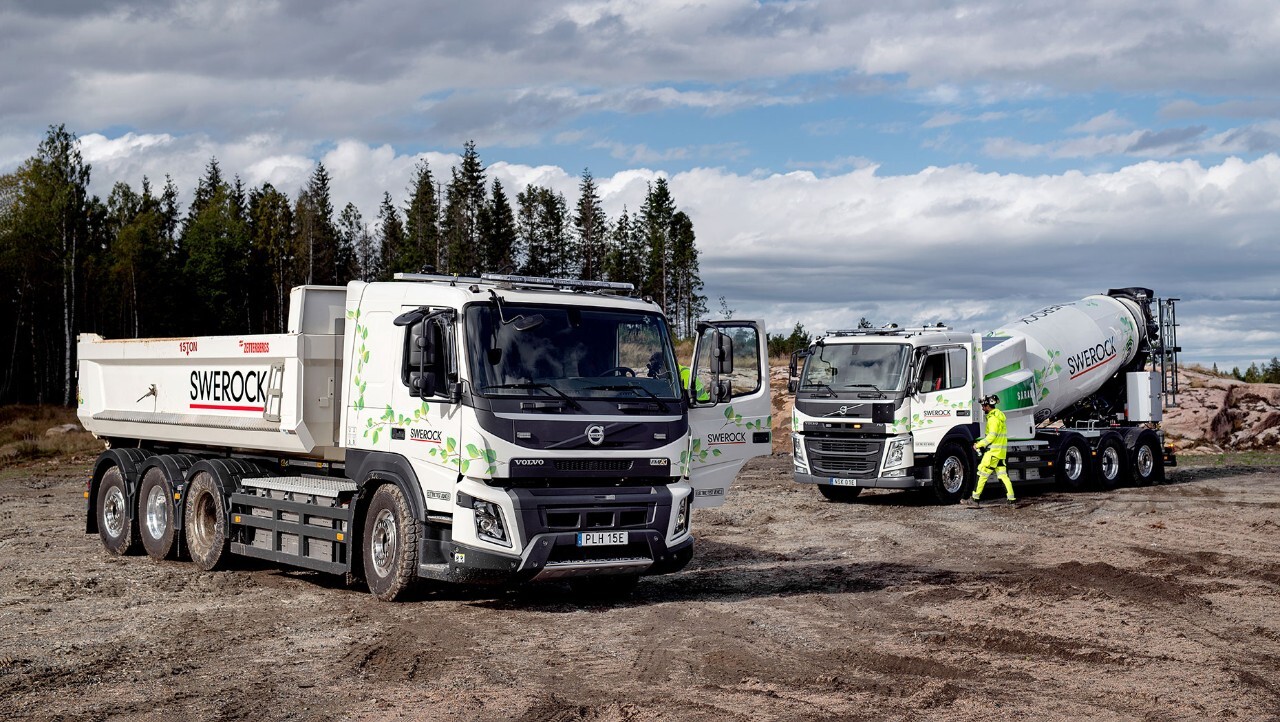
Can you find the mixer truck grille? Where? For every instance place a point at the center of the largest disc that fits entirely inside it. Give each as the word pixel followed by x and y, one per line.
pixel 846 446
pixel 844 456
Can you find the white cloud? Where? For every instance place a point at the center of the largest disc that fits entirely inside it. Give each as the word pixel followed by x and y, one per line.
pixel 1108 121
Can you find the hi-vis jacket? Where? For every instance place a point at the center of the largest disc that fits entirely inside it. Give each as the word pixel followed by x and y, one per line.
pixel 997 435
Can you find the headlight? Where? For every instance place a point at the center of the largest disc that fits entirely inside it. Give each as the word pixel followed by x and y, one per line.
pixel 896 453
pixel 682 516
pixel 489 522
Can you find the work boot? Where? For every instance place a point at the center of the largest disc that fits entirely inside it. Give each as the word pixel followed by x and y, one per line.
pixel 1013 503
pixel 970 502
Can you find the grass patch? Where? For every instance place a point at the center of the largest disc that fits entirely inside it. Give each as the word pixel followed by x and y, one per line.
pixel 24 437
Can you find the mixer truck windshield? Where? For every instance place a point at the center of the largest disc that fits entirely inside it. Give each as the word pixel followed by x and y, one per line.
pixel 569 352
pixel 838 367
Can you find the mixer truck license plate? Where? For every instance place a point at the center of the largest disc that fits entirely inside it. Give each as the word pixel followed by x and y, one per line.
pixel 601 538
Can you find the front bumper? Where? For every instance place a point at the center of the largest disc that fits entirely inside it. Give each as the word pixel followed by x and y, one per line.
pixel 874 482
pixel 556 555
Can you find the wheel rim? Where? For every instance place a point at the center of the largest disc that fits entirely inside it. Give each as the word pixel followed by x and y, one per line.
pixel 1073 463
pixel 382 542
pixel 113 511
pixel 1110 463
pixel 1146 461
pixel 157 512
pixel 204 520
pixel 952 474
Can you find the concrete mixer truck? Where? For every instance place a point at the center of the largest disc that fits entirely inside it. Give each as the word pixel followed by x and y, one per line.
pixel 1083 385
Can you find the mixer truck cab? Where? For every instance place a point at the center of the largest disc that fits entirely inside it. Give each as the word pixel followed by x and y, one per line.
pixel 1082 384
pixel 490 429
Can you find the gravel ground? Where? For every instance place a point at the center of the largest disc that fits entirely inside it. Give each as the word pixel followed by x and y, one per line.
pixel 1139 603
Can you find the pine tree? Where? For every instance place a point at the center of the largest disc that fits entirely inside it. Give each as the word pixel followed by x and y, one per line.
pixel 498 228
pixel 391 238
pixel 686 304
pixel 542 223
pixel 316 232
pixel 464 199
pixel 218 249
pixel 422 223
pixel 626 257
pixel 275 251
pixel 356 236
pixel 592 229
pixel 655 222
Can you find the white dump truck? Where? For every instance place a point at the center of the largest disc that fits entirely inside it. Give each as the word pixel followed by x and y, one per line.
pixel 1083 386
pixel 489 429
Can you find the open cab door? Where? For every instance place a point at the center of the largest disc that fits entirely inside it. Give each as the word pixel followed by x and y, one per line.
pixel 729 406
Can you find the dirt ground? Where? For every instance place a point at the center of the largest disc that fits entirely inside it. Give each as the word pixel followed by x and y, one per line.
pixel 1157 603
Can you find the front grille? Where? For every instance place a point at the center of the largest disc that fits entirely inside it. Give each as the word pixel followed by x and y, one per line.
pixel 845 446
pixel 590 519
pixel 843 466
pixel 593 464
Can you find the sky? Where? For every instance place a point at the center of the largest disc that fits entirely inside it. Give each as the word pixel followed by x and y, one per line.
pixel 914 162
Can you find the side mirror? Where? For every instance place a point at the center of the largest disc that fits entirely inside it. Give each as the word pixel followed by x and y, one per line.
pixel 722 354
pixel 724 391
pixel 793 385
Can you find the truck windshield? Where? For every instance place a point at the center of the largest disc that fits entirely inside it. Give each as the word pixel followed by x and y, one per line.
pixel 848 366
pixel 570 351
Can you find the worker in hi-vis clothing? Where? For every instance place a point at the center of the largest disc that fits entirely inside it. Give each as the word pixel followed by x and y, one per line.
pixel 993 461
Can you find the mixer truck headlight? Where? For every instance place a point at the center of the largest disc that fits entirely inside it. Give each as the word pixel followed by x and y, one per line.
pixel 489 522
pixel 896 453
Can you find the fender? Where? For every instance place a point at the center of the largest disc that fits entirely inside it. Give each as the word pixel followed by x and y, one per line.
pixel 129 461
pixel 364 467
pixel 226 473
pixel 174 467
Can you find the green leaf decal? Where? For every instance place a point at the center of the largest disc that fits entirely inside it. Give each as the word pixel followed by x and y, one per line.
pixel 463 465
pixel 375 434
pixel 715 452
pixel 472 451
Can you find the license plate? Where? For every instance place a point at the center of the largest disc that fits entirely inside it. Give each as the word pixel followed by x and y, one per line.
pixel 843 482
pixel 601 538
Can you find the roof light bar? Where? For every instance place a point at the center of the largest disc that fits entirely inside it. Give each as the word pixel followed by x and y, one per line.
pixel 569 283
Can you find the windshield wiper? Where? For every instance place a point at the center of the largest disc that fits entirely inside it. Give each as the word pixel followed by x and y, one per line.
pixel 546 388
pixel 862 386
pixel 631 387
pixel 811 384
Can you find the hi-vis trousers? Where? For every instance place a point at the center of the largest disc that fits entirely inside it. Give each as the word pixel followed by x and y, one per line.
pixel 990 463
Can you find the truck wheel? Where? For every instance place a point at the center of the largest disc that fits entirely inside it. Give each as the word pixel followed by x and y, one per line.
pixel 205 526
pixel 155 515
pixel 1110 463
pixel 115 527
pixel 390 544
pixel 841 494
pixel 1073 465
pixel 1148 462
pixel 952 473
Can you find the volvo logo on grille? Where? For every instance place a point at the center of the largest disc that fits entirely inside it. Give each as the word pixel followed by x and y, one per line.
pixel 595 434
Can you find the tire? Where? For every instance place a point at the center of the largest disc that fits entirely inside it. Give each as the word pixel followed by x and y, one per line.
pixel 390 547
pixel 156 515
pixel 839 494
pixel 1147 460
pixel 205 522
pixel 1073 465
pixel 1109 465
pixel 606 588
pixel 119 533
pixel 953 473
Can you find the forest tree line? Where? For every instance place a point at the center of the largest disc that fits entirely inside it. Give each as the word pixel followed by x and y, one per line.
pixel 137 265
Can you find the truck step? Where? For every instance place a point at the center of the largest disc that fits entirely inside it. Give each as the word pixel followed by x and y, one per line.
pixel 326 486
